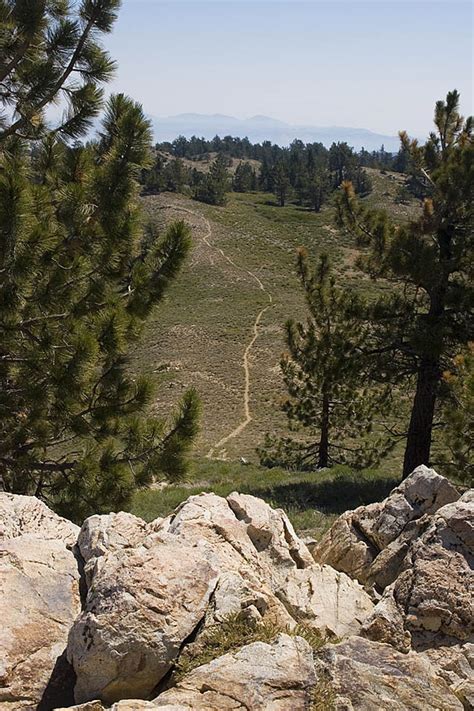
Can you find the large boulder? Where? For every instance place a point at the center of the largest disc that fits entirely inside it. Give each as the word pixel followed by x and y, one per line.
pixel 39 600
pixel 111 532
pixel 431 602
pixel 371 676
pixel 371 542
pixel 141 605
pixel 260 676
pixel 154 585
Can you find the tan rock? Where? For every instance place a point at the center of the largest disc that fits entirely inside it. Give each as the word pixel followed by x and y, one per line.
pixel 111 532
pixel 433 597
pixel 39 599
pixel 271 532
pixel 325 599
pixel 387 624
pixel 212 558
pixel 371 676
pixel 265 565
pixel 355 541
pixel 26 515
pixel 389 562
pixel 141 605
pixel 423 492
pixel 245 577
pixel 345 548
pixel 261 677
pixel 455 664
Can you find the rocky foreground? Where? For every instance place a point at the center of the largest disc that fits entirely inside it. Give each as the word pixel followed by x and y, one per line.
pixel 379 612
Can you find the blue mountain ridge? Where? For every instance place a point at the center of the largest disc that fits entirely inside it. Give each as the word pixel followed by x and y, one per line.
pixel 265 128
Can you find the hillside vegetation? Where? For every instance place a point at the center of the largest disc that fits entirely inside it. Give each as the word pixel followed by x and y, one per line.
pixel 208 320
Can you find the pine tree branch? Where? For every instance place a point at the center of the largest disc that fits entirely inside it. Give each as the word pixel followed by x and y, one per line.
pixel 15 60
pixel 21 122
pixel 44 466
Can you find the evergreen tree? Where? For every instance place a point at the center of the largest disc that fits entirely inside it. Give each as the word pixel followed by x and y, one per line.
pixel 341 162
pixel 153 179
pixel 244 178
pixel 214 186
pixel 175 176
pixel 360 180
pixel 78 276
pixel 317 189
pixel 49 52
pixel 325 376
pixel 265 177
pixel 281 182
pixel 427 316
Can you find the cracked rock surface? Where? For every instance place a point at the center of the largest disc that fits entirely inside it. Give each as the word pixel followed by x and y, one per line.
pixel 278 676
pixel 432 599
pixel 149 591
pixel 155 585
pixel 39 598
pixel 369 676
pixel 371 542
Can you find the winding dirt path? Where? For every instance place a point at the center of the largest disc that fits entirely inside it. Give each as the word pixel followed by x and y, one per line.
pixel 245 358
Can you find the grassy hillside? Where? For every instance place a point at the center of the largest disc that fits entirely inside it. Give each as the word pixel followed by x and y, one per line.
pixel 220 330
pixel 242 266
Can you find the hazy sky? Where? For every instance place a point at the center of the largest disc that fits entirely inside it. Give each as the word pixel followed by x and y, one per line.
pixel 375 64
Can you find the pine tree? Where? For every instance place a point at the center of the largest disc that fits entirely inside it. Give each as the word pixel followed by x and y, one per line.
pixel 49 52
pixel 175 175
pixel 324 373
pixel 427 317
pixel 341 162
pixel 78 277
pixel 317 189
pixel 265 177
pixel 244 178
pixel 153 179
pixel 214 186
pixel 281 182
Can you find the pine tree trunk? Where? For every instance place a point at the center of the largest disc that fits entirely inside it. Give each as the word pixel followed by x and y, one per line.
pixel 418 445
pixel 323 453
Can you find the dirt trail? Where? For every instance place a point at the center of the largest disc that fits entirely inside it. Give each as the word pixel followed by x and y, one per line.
pixel 219 446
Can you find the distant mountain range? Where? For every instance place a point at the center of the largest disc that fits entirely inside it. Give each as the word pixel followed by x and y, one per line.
pixel 264 128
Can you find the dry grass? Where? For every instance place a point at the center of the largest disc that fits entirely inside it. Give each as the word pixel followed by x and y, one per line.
pixel 198 336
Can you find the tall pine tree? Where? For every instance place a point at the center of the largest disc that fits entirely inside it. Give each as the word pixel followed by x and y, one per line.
pixel 324 373
pixel 428 316
pixel 78 277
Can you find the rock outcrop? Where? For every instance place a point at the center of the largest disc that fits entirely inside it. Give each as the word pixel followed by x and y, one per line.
pixel 431 602
pixel 370 676
pixel 154 586
pixel 141 605
pixel 287 676
pixel 278 676
pixel 371 542
pixel 101 616
pixel 39 600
